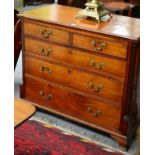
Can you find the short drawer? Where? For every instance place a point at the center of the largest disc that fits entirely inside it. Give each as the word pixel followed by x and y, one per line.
pixel 48 33
pixel 88 61
pixel 99 45
pixel 76 79
pixel 74 105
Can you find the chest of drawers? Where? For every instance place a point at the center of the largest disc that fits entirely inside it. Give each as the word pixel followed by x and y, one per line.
pixel 82 70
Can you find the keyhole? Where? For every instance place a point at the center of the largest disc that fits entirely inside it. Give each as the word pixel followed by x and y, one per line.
pixel 69 71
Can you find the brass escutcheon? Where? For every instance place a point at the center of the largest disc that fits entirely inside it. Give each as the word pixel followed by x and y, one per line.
pixel 43 52
pixel 48 97
pixel 98 46
pixel 43 69
pixel 96 114
pixel 97 65
pixel 95 89
pixel 46 33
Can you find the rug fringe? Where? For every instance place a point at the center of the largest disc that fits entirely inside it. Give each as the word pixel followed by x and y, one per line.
pixel 77 134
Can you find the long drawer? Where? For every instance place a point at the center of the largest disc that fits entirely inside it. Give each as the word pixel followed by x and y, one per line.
pixel 76 79
pixel 47 33
pixel 89 61
pixel 99 45
pixel 74 105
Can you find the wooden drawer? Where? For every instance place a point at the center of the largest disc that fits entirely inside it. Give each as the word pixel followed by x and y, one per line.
pixel 92 62
pixel 80 80
pixel 48 33
pixel 100 45
pixel 71 104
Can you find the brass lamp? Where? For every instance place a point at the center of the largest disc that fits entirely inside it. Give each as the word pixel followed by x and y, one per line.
pixel 95 9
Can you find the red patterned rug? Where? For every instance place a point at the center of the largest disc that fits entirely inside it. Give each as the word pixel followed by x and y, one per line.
pixel 34 138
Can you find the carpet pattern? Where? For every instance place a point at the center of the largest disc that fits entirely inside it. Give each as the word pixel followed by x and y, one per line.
pixel 76 129
pixel 35 138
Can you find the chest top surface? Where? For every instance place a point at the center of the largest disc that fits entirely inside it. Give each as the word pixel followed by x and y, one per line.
pixel 119 26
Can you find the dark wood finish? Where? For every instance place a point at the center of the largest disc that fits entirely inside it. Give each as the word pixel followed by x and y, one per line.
pixel 119 6
pixel 27 2
pixel 17 37
pixel 15 16
pixel 61 79
pixel 75 3
pixel 114 6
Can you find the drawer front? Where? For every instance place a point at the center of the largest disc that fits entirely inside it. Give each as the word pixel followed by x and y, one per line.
pixel 100 45
pixel 47 33
pixel 66 102
pixel 89 83
pixel 88 61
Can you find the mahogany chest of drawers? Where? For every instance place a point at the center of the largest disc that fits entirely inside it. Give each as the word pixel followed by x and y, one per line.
pixel 82 70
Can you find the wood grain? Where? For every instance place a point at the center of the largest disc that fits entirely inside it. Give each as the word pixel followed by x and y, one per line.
pixel 76 57
pixel 72 104
pixel 56 35
pixel 112 48
pixel 66 77
pixel 119 26
pixel 111 89
pixel 22 110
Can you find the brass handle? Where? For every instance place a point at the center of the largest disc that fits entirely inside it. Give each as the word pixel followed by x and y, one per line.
pixel 42 94
pixel 97 65
pixel 90 109
pixel 98 88
pixel 91 85
pixel 43 52
pixel 96 114
pixel 98 46
pixel 43 69
pixel 46 33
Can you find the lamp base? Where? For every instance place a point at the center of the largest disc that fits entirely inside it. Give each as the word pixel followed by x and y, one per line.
pixel 96 11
